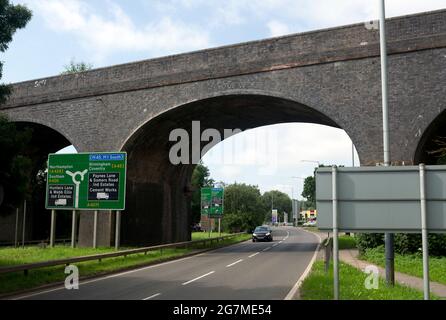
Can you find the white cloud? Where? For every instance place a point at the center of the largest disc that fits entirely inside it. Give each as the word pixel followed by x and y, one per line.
pixel 293 142
pixel 114 31
pixel 277 28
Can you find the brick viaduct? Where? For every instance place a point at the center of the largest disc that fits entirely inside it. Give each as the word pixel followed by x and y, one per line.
pixel 329 77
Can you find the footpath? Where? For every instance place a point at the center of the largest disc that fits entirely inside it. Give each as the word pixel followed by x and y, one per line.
pixel 350 256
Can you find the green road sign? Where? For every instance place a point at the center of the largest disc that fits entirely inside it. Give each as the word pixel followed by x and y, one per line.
pixel 212 202
pixel 86 181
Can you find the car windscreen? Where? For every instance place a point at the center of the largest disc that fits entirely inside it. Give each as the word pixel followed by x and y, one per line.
pixel 261 229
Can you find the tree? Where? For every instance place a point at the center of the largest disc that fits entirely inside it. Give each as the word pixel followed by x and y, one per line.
pixel 12 18
pixel 15 166
pixel 278 200
pixel 76 67
pixel 200 178
pixel 440 152
pixel 243 208
pixel 309 191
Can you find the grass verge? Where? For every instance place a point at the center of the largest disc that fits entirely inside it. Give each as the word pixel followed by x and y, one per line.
pixel 17 281
pixel 347 242
pixel 319 286
pixel 411 264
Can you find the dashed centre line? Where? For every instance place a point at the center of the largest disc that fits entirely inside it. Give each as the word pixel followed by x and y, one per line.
pixel 234 263
pixel 197 278
pixel 152 296
pixel 254 254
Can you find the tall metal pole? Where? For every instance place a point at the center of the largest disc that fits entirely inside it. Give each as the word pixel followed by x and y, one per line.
pixel 219 226
pixel 95 230
pixel 389 237
pixel 335 234
pixel 118 230
pixel 16 228
pixel 73 229
pixel 24 224
pixel 424 233
pixel 53 228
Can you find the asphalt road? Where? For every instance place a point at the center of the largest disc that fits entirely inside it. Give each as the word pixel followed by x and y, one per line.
pixel 245 271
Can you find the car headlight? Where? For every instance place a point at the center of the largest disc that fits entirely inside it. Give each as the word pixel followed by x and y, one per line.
pixel 268 234
pixel 255 235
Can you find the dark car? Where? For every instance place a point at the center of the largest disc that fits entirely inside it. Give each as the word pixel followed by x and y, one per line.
pixel 262 233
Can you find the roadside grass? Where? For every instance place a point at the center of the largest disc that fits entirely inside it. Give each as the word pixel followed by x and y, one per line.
pixel 411 264
pixel 347 242
pixel 319 286
pixel 13 282
pixel 205 235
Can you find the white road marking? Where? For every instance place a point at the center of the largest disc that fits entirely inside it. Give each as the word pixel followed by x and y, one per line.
pixel 253 255
pixel 153 296
pixel 114 275
pixel 266 249
pixel 293 291
pixel 198 278
pixel 276 244
pixel 234 263
pixel 107 277
pixel 280 241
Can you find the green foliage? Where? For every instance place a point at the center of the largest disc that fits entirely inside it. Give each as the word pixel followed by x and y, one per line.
pixel 408 243
pixel 12 18
pixel 200 178
pixel 411 264
pixel 76 67
pixel 346 242
pixel 404 243
pixel 280 201
pixel 309 191
pixel 16 281
pixel 319 286
pixel 15 166
pixel 369 240
pixel 243 208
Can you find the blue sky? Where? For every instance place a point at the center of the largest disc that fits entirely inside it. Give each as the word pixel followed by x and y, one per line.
pixel 108 32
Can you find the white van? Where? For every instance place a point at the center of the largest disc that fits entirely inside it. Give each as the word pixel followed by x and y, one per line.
pixel 102 196
pixel 60 202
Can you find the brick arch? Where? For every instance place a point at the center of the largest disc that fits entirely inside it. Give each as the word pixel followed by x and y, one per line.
pixel 158 191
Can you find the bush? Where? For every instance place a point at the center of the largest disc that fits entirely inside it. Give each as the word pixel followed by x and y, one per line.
pixel 405 243
pixel 368 240
pixel 437 244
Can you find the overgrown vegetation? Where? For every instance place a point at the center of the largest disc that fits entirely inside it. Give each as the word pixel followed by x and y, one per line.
pixel 76 67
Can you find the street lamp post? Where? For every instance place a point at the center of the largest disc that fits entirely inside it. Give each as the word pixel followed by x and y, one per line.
pixel 389 237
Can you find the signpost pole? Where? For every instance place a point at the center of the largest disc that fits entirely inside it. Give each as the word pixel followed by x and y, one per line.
pixel 219 226
pixel 389 237
pixel 95 230
pixel 424 233
pixel 24 224
pixel 16 228
pixel 73 229
pixel 335 234
pixel 118 230
pixel 53 228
